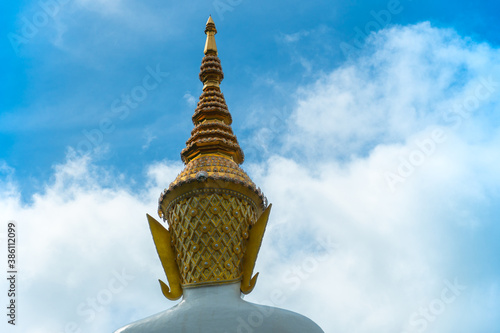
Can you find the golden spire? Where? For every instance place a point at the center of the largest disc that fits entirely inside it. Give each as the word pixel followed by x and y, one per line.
pixel 212 133
pixel 210 31
pixel 215 213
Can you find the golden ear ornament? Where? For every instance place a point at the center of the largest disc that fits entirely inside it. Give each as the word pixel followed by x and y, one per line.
pixel 253 247
pixel 162 240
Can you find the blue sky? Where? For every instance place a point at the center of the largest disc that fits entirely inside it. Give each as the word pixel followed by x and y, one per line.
pixel 372 126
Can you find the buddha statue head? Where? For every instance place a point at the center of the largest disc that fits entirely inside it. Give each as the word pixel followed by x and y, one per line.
pixel 216 215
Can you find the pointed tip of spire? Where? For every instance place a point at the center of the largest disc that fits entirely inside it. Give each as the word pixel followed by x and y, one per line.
pixel 210 31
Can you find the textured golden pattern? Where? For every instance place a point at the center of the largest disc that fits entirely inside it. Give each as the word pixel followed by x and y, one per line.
pixel 212 132
pixel 220 171
pixel 211 103
pixel 209 234
pixel 211 68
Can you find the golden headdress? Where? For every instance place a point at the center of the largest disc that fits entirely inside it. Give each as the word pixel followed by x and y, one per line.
pixel 216 215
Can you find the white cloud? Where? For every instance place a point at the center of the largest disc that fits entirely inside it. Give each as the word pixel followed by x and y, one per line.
pixel 149 138
pixel 393 250
pixel 74 238
pixel 294 37
pixel 190 99
pixel 406 79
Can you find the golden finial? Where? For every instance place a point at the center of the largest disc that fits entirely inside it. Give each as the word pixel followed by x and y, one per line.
pixel 210 31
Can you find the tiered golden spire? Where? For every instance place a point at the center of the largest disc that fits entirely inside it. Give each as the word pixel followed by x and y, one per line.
pixel 212 133
pixel 215 213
